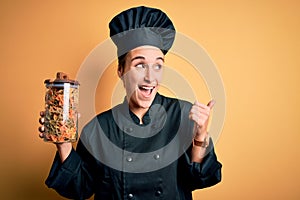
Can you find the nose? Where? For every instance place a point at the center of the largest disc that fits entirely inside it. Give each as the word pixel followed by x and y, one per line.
pixel 149 76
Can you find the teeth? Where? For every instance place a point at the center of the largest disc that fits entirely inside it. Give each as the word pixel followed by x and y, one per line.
pixel 147 88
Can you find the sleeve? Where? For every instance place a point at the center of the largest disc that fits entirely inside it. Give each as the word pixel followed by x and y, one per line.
pixel 74 177
pixel 201 175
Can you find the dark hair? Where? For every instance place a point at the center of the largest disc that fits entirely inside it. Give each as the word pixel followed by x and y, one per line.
pixel 121 61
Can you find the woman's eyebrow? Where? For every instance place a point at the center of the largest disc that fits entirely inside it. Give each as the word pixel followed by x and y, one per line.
pixel 138 57
pixel 160 58
pixel 143 58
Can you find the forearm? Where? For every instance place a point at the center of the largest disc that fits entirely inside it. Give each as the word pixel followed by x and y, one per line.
pixel 199 151
pixel 71 174
pixel 204 167
pixel 64 150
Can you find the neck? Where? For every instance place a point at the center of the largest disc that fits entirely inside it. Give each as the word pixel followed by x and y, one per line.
pixel 138 111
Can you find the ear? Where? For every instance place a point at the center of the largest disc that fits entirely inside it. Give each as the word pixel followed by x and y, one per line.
pixel 120 72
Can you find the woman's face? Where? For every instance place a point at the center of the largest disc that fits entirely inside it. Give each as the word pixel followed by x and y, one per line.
pixel 141 75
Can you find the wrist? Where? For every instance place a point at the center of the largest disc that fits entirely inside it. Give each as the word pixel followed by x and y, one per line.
pixel 201 142
pixel 64 150
pixel 201 136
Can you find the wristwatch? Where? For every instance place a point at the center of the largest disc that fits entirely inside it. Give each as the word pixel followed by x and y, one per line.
pixel 203 144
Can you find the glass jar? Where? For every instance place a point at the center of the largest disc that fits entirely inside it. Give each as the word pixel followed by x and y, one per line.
pixel 61 109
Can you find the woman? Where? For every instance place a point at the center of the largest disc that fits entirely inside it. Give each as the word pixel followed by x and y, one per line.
pixel 150 146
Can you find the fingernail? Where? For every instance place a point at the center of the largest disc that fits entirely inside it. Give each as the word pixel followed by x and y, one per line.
pixel 42 129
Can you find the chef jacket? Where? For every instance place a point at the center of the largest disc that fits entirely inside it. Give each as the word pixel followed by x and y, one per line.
pixel 118 158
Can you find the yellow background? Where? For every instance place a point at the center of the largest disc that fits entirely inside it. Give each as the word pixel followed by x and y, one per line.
pixel 255 45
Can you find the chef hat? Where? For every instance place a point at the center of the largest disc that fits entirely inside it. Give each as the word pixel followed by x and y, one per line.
pixel 140 26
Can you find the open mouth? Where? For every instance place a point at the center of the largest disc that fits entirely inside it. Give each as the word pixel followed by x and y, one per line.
pixel 146 91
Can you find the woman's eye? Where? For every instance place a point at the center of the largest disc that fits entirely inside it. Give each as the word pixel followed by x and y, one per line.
pixel 157 67
pixel 140 66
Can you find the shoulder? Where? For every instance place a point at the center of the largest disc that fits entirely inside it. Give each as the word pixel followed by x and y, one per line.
pixel 107 117
pixel 171 101
pixel 101 118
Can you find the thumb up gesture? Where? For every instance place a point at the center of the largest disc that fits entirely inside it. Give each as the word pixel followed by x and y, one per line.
pixel 200 114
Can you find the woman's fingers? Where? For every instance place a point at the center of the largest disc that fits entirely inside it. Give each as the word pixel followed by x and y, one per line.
pixel 42 113
pixel 42 120
pixel 41 130
pixel 42 127
pixel 211 103
pixel 200 114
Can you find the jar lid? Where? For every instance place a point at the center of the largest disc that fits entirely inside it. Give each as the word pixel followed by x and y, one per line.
pixel 61 77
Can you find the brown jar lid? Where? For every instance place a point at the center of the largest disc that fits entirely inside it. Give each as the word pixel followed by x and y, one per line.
pixel 61 77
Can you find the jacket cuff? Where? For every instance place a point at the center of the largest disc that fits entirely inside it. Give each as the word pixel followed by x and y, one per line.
pixel 61 173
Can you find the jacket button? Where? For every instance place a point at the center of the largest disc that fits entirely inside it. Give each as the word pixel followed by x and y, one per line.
pixel 156 156
pixel 158 193
pixel 154 126
pixel 129 159
pixel 130 196
pixel 129 130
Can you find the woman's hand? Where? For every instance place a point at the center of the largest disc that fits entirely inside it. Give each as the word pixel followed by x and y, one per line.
pixel 64 149
pixel 42 122
pixel 200 114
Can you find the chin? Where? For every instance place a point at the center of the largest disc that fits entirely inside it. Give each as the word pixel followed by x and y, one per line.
pixel 144 104
pixel 141 102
